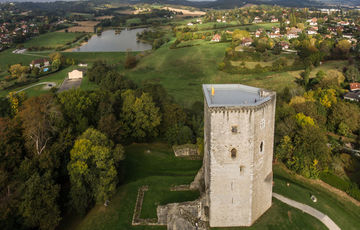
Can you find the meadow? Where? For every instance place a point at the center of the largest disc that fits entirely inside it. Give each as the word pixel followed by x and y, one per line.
pixel 52 40
pixel 160 170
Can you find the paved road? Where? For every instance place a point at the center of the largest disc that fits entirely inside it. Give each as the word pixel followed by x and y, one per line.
pixel 41 83
pixel 329 223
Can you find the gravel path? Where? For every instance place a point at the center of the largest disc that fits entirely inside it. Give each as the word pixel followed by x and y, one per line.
pixel 309 210
pixel 41 83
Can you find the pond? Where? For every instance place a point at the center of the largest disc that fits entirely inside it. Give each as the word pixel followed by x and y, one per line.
pixel 110 41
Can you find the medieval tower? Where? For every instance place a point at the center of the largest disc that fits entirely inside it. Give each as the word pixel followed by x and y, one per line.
pixel 238 153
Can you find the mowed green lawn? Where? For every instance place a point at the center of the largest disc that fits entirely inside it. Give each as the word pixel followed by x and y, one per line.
pixel 52 39
pixel 160 170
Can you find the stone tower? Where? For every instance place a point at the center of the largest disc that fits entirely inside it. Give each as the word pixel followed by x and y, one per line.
pixel 238 153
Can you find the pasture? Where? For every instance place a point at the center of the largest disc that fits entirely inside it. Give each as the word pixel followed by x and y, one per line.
pixel 52 40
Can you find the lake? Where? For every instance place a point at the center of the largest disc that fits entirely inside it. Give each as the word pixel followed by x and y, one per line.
pixel 108 41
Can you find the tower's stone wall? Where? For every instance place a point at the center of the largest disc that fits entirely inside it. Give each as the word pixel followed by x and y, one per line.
pixel 238 154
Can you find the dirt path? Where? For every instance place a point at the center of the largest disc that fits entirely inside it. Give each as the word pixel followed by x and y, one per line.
pixel 329 223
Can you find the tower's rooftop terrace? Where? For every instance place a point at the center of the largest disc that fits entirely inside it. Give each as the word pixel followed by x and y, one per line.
pixel 234 95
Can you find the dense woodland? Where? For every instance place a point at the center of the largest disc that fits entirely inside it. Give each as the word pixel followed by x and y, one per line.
pixel 63 152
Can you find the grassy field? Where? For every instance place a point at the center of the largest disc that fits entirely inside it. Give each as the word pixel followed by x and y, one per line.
pixel 52 39
pixel 8 58
pixel 160 170
pixel 182 71
pixel 89 57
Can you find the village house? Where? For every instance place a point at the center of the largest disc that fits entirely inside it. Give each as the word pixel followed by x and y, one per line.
pixel 274 19
pixel 313 30
pixel 247 42
pixel 190 24
pixel 258 33
pixel 75 74
pixel 40 63
pixel 354 86
pixel 284 45
pixel 352 96
pixel 216 38
pixel 342 23
pixel 312 22
pixel 257 20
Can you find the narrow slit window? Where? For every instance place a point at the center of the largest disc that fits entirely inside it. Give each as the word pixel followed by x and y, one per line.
pixel 261 147
pixel 233 153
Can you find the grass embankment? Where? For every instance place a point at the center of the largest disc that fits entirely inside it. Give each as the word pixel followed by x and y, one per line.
pixel 344 213
pixel 52 40
pixel 160 170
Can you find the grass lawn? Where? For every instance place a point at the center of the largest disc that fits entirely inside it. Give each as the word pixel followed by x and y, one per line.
pixel 52 39
pixel 160 170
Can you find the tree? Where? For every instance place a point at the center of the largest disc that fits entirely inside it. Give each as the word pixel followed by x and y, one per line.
pixel 18 70
pixel 239 35
pixel 97 71
pixel 342 49
pixel 140 116
pixel 79 107
pixel 93 169
pixel 130 61
pixel 35 71
pixel 40 116
pixel 109 125
pixel 57 56
pixel 352 74
pixel 15 100
pixel 38 206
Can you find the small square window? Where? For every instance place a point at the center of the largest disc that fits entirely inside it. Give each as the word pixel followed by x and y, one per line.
pixel 234 129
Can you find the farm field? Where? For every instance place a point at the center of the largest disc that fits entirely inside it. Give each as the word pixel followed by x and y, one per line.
pixel 52 40
pixel 160 170
pixel 84 26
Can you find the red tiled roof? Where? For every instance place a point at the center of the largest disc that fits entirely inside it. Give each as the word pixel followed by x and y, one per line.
pixel 354 86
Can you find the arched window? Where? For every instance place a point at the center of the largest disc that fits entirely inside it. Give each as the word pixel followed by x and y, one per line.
pixel 233 153
pixel 261 147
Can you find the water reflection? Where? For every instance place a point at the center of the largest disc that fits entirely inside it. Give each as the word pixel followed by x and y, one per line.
pixel 112 41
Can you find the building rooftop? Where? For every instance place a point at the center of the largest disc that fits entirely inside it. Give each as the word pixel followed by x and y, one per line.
pixel 234 95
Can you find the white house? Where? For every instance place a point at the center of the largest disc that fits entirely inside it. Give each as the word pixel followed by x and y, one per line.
pixel 75 74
